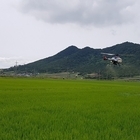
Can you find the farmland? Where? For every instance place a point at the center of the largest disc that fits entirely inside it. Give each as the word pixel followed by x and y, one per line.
pixel 48 109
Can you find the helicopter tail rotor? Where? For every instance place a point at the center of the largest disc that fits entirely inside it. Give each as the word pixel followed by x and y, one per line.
pixel 105 58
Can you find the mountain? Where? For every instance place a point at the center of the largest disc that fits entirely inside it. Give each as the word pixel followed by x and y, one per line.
pixel 88 60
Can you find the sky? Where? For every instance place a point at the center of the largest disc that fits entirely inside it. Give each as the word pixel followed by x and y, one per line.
pixel 31 30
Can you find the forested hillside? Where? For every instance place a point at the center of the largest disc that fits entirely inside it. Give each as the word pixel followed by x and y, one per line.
pixel 89 60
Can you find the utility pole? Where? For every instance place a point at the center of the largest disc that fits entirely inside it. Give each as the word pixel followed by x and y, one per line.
pixel 99 74
pixel 16 67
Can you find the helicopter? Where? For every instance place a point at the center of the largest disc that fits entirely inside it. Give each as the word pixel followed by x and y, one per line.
pixel 116 60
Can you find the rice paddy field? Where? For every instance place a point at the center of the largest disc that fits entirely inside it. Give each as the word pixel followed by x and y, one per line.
pixel 48 109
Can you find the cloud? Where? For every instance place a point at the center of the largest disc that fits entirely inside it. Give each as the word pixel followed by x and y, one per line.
pixel 6 62
pixel 83 12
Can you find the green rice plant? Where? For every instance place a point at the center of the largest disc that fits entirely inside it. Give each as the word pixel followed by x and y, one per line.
pixel 46 109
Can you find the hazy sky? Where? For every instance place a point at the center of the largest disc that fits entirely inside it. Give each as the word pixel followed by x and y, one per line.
pixel 35 29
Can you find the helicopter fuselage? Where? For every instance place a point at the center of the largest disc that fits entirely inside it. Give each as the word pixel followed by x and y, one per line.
pixel 115 60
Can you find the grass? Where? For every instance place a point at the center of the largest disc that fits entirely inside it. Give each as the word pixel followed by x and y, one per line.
pixel 45 109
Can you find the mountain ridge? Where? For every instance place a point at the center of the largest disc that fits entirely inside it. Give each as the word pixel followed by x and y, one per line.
pixel 88 60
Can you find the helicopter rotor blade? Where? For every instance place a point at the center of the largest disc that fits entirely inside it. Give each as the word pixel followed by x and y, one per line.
pixel 108 53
